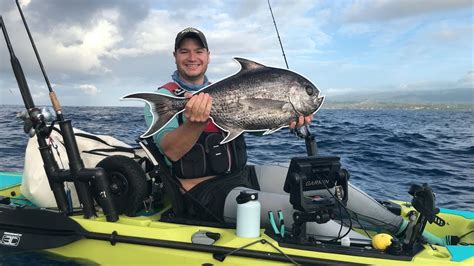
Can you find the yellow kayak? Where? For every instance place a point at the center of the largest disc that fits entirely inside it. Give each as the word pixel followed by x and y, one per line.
pixel 147 240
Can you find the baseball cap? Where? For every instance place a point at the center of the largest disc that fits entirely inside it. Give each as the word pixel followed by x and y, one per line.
pixel 190 33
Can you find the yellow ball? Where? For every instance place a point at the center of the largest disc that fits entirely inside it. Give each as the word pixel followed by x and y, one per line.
pixel 381 241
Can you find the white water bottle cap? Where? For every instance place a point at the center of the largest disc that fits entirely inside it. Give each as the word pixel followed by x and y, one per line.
pixel 345 241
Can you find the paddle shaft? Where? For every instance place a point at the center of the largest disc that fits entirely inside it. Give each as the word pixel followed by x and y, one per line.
pixel 28 228
pixel 114 238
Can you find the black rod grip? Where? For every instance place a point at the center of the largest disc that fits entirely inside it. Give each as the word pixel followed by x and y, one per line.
pixel 100 183
pixel 18 71
pixel 52 170
pixel 75 161
pixel 22 84
pixel 75 165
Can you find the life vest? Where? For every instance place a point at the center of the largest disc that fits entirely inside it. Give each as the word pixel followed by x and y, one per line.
pixel 208 157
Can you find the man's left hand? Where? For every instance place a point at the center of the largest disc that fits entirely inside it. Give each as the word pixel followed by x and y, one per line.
pixel 301 121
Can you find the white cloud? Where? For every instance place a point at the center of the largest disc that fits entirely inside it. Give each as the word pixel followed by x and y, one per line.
pixel 39 96
pixel 122 46
pixel 339 91
pixel 79 49
pixel 152 35
pixel 24 3
pixel 467 80
pixel 449 31
pixel 89 89
pixel 380 10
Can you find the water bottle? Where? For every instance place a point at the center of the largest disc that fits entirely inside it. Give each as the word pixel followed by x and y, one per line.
pixel 248 215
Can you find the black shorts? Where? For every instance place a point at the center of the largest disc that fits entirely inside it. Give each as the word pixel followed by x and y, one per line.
pixel 212 193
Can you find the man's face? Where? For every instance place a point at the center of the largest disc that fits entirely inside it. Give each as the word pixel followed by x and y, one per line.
pixel 191 60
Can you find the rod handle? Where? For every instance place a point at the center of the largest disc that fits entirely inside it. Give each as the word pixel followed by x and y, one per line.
pixel 55 102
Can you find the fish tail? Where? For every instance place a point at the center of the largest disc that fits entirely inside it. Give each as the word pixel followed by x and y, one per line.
pixel 163 107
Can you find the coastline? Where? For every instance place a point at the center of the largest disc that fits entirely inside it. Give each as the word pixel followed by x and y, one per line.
pixel 395 105
pixel 363 105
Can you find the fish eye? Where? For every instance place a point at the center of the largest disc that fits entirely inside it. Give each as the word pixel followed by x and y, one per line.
pixel 309 90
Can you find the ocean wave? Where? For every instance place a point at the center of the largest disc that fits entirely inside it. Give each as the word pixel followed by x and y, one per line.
pixel 380 148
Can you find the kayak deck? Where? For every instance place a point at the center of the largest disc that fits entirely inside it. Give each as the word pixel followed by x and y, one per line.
pixel 10 184
pixel 149 226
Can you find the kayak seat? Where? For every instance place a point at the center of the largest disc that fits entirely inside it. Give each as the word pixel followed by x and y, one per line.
pixel 170 184
pixel 179 213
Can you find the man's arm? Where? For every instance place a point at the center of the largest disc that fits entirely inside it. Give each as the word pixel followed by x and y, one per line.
pixel 178 142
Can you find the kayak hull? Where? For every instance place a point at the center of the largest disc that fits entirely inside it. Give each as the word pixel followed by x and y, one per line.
pixel 150 241
pixel 104 252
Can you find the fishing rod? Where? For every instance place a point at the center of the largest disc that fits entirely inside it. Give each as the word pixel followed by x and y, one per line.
pixel 302 132
pixel 77 173
pixel 50 165
pixel 278 34
pixel 52 94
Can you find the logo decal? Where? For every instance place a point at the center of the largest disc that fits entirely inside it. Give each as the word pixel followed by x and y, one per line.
pixel 179 92
pixel 10 239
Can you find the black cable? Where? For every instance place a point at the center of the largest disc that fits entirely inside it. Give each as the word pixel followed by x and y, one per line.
pixel 342 222
pixel 357 220
pixel 468 233
pixel 262 241
pixel 349 227
pixel 350 216
pixel 465 243
pixel 340 205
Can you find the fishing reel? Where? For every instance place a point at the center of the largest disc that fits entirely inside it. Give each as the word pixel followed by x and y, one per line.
pixel 40 117
pixel 316 185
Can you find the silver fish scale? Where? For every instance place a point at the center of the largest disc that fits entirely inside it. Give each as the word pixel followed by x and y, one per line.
pixel 253 103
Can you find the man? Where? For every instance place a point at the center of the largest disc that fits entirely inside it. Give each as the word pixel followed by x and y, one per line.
pixel 192 58
pixel 183 139
pixel 178 139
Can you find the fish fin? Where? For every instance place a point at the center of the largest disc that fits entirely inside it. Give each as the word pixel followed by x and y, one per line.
pixel 162 109
pixel 248 64
pixel 232 134
pixel 271 131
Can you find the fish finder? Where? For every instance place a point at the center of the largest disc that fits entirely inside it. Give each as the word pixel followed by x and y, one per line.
pixel 316 186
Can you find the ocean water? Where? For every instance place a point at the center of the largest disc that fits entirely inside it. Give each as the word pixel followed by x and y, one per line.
pixel 385 151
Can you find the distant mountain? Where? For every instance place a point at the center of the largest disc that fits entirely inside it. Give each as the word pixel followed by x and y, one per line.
pixel 449 96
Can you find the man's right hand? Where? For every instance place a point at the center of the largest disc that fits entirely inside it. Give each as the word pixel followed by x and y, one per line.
pixel 178 142
pixel 198 108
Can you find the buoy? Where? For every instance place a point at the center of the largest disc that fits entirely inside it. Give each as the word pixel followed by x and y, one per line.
pixel 381 241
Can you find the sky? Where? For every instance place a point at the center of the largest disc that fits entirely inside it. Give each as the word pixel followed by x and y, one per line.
pixel 95 52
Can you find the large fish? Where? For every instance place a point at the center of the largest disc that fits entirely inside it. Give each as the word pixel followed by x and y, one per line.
pixel 255 99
